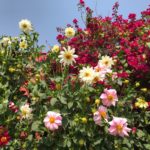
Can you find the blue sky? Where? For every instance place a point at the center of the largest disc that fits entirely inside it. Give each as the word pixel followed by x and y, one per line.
pixel 46 15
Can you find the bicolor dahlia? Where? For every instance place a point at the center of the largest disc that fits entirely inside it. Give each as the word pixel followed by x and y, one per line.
pixel 67 57
pixel 52 120
pixel 69 32
pixel 99 114
pixel 118 126
pixel 25 25
pixel 87 75
pixel 26 111
pixel 109 97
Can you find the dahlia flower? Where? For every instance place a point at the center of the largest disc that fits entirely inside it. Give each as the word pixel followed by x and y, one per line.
pixel 67 57
pixel 87 75
pixel 69 32
pixel 26 111
pixel 141 103
pixel 55 49
pixel 106 61
pixel 99 114
pixel 52 120
pixel 118 126
pixel 109 97
pixel 25 25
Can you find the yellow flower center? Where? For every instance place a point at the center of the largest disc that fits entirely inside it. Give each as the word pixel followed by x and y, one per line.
pixel 51 119
pixel 69 32
pixel 119 128
pixel 24 112
pixel 103 114
pixel 87 74
pixel 68 56
pixel 96 79
pixel 110 97
pixel 24 26
pixel 3 139
pixel 106 62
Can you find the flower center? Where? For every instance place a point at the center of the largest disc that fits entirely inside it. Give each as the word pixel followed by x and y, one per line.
pixel 106 62
pixel 24 112
pixel 3 139
pixel 51 119
pixel 119 128
pixel 96 79
pixel 24 26
pixel 69 32
pixel 87 74
pixel 103 114
pixel 68 56
pixel 110 97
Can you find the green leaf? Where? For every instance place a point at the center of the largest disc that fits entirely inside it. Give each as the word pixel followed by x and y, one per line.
pixel 53 101
pixel 35 126
pixel 63 100
pixel 70 104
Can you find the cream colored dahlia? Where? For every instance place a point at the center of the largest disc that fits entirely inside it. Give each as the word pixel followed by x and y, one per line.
pixel 26 111
pixel 69 32
pixel 87 75
pixel 67 57
pixel 55 49
pixel 106 61
pixel 25 25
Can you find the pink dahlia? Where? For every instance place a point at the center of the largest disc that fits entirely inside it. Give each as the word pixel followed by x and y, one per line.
pixel 109 97
pixel 118 126
pixel 99 114
pixel 53 120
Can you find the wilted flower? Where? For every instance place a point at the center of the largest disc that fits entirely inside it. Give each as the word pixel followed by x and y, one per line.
pixel 67 57
pixel 52 120
pixel 118 126
pixel 25 25
pixel 69 32
pixel 109 97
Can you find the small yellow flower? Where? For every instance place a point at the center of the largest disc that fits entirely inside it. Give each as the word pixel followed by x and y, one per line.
pixel 137 84
pixel 93 110
pixel 141 103
pixel 58 86
pixel 11 69
pixel 69 32
pixel 97 101
pixel 144 89
pixel 81 142
pixel 87 99
pixel 126 81
pixel 84 120
pixel 55 49
pixel 23 45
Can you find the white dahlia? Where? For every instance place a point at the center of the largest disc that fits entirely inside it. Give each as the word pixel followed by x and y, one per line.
pixel 67 57
pixel 25 25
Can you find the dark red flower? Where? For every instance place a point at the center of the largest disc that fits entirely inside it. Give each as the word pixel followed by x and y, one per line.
pixel 4 139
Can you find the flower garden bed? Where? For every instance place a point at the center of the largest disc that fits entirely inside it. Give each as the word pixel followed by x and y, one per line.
pixel 91 91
